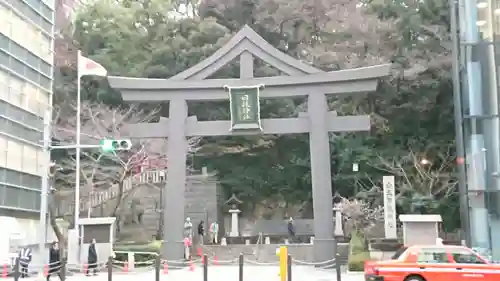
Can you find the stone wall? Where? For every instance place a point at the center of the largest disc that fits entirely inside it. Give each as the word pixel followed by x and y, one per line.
pixel 266 253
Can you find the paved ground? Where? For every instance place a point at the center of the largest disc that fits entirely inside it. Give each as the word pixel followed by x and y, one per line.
pixel 219 273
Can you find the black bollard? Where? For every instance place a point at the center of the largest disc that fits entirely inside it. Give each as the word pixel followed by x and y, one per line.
pixel 337 267
pixel 289 268
pixel 240 264
pixel 17 271
pixel 205 268
pixel 157 268
pixel 110 268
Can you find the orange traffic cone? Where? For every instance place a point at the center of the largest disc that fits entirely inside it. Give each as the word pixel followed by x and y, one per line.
pixel 125 267
pixel 4 271
pixel 202 259
pixel 216 261
pixel 85 268
pixel 45 270
pixel 191 266
pixel 200 252
pixel 165 268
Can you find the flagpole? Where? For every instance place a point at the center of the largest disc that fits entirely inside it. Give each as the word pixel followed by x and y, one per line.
pixel 78 142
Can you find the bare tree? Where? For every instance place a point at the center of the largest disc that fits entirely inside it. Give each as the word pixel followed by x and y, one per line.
pixel 360 216
pixel 100 171
pixel 422 179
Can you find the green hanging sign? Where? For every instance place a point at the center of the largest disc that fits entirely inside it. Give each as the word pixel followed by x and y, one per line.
pixel 245 107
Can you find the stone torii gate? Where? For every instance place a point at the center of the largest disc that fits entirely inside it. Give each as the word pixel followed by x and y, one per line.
pixel 244 93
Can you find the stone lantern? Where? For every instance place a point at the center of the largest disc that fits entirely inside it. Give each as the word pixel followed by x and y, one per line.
pixel 234 202
pixel 337 210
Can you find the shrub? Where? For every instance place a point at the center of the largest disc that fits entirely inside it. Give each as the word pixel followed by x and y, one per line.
pixel 358 252
pixel 358 243
pixel 356 262
pixel 145 252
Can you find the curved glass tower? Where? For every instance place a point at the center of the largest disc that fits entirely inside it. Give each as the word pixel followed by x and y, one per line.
pixel 478 65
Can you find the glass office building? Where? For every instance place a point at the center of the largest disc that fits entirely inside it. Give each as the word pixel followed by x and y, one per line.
pixel 26 75
pixel 479 62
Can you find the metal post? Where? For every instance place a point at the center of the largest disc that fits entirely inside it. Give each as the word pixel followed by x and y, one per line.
pixel 78 149
pixel 157 268
pixel 240 271
pixel 205 268
pixel 289 268
pixel 337 264
pixel 17 271
pixel 110 268
pixel 45 184
pixel 459 134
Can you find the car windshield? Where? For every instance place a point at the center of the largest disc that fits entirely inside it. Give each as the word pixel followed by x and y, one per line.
pixel 399 253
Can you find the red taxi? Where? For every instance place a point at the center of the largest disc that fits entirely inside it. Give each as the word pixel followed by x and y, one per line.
pixel 433 263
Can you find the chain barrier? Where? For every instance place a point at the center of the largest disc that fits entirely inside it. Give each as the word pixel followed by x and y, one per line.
pixel 253 262
pixel 158 266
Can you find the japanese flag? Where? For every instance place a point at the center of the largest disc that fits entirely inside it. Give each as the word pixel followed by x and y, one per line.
pixel 87 66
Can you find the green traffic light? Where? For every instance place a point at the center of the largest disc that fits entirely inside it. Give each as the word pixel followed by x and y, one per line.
pixel 115 145
pixel 108 145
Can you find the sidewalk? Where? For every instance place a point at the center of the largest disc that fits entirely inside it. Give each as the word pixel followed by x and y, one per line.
pixel 218 273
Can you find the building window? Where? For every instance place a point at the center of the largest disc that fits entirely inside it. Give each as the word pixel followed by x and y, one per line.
pixel 26 34
pixel 17 130
pixel 14 154
pixel 20 179
pixel 13 112
pixel 32 15
pixel 19 198
pixel 18 157
pixel 30 101
pixel 25 56
pixel 3 152
pixel 19 190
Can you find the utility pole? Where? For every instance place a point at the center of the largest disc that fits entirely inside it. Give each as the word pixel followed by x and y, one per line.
pixel 45 184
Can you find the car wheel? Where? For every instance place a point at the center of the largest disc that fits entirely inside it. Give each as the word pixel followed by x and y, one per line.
pixel 414 278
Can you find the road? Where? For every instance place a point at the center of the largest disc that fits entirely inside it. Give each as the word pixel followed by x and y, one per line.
pixel 218 273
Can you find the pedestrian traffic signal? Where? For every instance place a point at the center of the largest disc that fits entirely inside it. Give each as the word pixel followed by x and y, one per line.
pixel 52 169
pixel 115 145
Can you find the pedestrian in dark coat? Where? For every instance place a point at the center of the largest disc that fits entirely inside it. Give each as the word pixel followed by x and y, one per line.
pixel 54 261
pixel 291 230
pixel 201 232
pixel 92 259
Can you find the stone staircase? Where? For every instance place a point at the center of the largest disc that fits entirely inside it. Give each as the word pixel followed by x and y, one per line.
pixel 97 199
pixel 144 191
pixel 201 197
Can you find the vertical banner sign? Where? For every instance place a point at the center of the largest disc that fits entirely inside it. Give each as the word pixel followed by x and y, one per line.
pixel 389 207
pixel 245 107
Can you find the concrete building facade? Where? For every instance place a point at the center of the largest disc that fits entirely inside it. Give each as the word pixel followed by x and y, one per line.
pixel 26 77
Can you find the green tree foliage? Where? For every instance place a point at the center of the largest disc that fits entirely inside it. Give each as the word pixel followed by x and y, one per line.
pixel 411 111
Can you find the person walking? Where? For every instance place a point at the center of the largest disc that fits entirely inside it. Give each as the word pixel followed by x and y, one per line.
pixel 188 238
pixel 201 232
pixel 54 261
pixel 24 261
pixel 188 229
pixel 291 230
pixel 92 259
pixel 214 232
